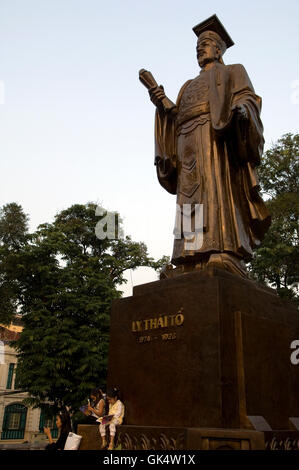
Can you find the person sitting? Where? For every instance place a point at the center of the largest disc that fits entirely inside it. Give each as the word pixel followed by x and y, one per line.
pixel 97 403
pixel 96 408
pixel 63 423
pixel 114 418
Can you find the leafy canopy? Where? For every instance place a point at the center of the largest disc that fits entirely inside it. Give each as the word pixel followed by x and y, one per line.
pixel 65 280
pixel 276 260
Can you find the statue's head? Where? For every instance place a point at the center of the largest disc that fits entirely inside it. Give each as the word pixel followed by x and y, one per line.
pixel 210 48
pixel 213 40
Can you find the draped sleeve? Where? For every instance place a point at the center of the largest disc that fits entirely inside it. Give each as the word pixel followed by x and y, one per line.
pixel 248 134
pixel 165 147
pixel 247 145
pixel 244 139
pixel 230 86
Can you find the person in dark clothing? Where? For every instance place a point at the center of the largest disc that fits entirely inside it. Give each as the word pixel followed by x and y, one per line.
pixel 63 423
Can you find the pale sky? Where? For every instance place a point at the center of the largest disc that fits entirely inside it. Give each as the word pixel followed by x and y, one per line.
pixel 76 125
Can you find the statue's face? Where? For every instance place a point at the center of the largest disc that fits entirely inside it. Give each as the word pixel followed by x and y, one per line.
pixel 206 52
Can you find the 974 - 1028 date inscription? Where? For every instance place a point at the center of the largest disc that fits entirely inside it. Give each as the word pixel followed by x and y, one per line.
pixel 163 337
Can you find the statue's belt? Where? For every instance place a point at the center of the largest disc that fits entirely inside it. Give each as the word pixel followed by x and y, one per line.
pixel 192 112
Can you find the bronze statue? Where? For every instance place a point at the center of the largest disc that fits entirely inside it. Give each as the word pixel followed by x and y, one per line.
pixel 207 146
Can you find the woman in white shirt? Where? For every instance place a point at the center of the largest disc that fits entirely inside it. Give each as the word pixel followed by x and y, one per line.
pixel 115 417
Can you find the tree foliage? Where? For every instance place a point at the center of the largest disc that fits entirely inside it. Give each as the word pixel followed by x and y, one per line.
pixel 276 260
pixel 13 237
pixel 67 279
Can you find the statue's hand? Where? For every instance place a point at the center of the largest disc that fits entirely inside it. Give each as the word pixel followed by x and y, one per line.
pixel 157 95
pixel 158 160
pixel 240 111
pixel 164 164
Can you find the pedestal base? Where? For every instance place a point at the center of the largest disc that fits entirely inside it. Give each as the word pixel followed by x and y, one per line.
pixel 160 438
pixel 91 439
pixel 205 350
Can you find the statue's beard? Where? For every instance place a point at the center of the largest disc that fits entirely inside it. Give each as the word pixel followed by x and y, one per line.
pixel 202 61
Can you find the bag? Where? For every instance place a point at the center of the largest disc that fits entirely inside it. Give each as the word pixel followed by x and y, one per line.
pixel 73 441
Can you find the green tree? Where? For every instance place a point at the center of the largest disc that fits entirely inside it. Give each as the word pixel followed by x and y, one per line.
pixel 68 279
pixel 276 261
pixel 13 236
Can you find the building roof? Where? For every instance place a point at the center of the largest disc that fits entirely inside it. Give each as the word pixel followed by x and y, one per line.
pixel 6 335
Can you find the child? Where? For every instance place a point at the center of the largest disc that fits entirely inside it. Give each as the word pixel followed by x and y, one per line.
pixel 115 417
pixel 96 406
pixel 94 410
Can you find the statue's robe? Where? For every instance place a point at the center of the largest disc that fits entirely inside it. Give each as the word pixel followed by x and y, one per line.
pixel 208 156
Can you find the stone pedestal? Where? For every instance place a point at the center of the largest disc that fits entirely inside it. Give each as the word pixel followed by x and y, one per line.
pixel 155 438
pixel 161 438
pixel 207 349
pixel 91 439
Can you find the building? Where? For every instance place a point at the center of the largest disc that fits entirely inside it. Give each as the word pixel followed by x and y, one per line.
pixel 18 423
